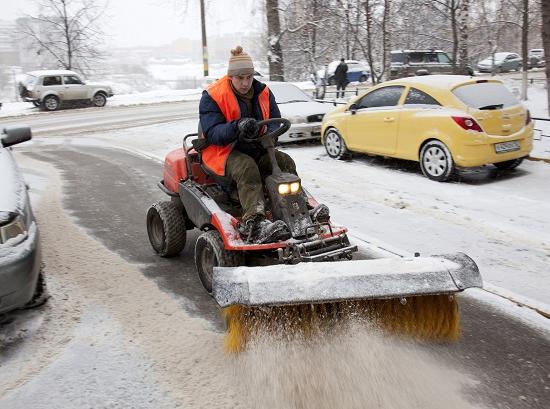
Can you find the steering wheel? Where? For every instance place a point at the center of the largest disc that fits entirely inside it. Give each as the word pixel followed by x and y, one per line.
pixel 273 134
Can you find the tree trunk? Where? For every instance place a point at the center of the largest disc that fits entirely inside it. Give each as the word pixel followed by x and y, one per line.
pixel 368 13
pixel 545 9
pixel 454 30
pixel 524 48
pixel 275 51
pixel 463 43
pixel 386 41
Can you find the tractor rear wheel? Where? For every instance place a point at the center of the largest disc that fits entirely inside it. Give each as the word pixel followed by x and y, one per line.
pixel 209 253
pixel 166 228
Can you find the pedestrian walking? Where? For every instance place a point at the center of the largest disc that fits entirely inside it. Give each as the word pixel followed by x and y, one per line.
pixel 341 78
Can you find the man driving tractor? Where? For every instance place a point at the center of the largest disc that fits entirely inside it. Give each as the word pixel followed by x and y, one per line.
pixel 229 110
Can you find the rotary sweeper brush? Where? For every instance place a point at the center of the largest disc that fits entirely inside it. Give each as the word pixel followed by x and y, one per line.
pixel 306 283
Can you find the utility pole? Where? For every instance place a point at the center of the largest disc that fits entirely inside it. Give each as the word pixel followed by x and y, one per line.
pixel 204 46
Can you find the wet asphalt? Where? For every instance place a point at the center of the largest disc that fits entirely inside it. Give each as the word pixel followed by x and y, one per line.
pixel 108 192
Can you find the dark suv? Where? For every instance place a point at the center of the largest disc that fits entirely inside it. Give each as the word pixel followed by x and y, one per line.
pixel 408 63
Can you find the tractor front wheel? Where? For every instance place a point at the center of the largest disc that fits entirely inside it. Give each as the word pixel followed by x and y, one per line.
pixel 209 253
pixel 166 228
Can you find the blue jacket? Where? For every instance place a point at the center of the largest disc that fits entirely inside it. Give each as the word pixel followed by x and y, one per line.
pixel 220 132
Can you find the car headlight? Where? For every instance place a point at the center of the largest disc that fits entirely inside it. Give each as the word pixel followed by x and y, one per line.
pixel 287 188
pixel 12 229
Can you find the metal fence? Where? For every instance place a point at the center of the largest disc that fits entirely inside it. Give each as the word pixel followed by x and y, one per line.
pixel 540 130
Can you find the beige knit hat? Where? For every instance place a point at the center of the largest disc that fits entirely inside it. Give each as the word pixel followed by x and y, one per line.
pixel 240 63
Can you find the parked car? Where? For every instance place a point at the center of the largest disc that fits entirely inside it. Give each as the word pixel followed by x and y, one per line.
pixel 50 89
pixel 406 63
pixel 503 62
pixel 304 113
pixel 536 58
pixel 444 122
pixel 21 278
pixel 357 71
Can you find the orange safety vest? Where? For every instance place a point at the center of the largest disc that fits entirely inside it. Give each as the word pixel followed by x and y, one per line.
pixel 214 157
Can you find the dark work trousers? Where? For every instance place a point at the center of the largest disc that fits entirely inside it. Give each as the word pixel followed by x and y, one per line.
pixel 249 176
pixel 341 85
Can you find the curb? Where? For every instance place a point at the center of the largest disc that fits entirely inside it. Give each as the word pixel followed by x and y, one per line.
pixel 537 159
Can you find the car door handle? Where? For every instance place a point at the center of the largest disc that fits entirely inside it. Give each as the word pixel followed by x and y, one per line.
pixel 389 119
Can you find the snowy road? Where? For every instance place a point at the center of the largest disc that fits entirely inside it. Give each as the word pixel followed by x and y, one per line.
pixel 94 119
pixel 127 329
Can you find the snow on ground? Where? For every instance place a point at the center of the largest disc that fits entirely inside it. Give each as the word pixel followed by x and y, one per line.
pixel 151 97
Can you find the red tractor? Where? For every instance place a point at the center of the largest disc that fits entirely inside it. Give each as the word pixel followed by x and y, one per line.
pixel 207 202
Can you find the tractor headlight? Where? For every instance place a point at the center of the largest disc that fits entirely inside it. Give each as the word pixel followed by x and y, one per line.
pixel 284 189
pixel 294 187
pixel 12 229
pixel 287 188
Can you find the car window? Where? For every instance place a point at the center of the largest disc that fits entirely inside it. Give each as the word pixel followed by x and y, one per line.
pixel 52 80
pixel 416 58
pixel 71 79
pixel 398 58
pixel 431 57
pixel 486 95
pixel 417 97
pixel 443 58
pixel 382 97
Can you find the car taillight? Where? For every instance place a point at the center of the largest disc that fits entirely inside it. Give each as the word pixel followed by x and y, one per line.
pixel 467 123
pixel 527 117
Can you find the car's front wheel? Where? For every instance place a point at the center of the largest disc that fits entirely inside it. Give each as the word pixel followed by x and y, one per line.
pixel 50 103
pixel 335 145
pixel 209 253
pixel 363 78
pixel 509 164
pixel 41 294
pixel 436 161
pixel 99 100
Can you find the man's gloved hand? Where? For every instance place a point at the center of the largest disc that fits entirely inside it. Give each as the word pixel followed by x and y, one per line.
pixel 248 128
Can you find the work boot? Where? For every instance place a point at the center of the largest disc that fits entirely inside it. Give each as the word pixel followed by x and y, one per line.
pixel 320 214
pixel 260 230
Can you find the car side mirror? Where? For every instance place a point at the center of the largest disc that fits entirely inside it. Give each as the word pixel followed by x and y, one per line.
pixel 16 135
pixel 353 108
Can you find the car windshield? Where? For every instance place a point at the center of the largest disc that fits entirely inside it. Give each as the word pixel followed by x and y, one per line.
pixel 28 80
pixel 286 93
pixel 486 95
pixel 398 58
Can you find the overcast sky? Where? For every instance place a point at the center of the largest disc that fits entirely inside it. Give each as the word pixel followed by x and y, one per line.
pixel 158 22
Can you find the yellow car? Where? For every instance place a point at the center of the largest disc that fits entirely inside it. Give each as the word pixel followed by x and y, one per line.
pixel 444 122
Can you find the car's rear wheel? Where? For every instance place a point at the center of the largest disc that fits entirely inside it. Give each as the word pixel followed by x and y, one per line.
pixel 50 103
pixel 209 253
pixel 509 164
pixel 363 78
pixel 99 100
pixel 335 145
pixel 436 161
pixel 166 228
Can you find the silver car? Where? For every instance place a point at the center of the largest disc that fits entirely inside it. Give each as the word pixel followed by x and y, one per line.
pixel 21 277
pixel 304 113
pixel 502 62
pixel 49 89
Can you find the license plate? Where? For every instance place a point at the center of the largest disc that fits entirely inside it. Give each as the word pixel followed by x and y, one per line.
pixel 507 146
